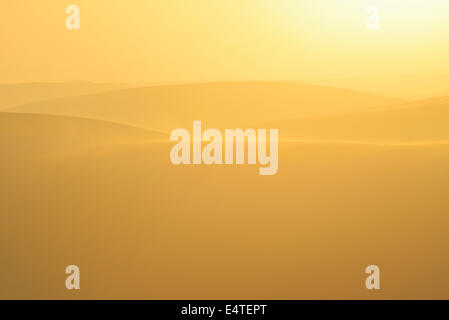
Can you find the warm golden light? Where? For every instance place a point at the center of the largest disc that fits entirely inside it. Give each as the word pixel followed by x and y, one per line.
pixel 235 39
pixel 117 133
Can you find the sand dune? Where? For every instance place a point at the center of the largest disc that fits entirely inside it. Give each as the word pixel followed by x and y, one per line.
pixel 96 194
pixel 221 104
pixel 307 232
pixel 84 192
pixel 423 121
pixel 43 132
pixel 16 94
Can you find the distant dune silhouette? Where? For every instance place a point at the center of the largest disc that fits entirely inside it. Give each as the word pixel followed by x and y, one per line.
pixel 418 86
pixel 220 104
pixel 42 132
pixel 418 121
pixel 16 94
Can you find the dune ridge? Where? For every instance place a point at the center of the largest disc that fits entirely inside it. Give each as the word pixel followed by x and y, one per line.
pixel 218 104
pixel 411 86
pixel 12 95
pixel 41 132
pixel 416 122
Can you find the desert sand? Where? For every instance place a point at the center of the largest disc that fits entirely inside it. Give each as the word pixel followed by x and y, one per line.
pixel 106 197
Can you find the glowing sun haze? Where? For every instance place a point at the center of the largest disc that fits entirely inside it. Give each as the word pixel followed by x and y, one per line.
pixel 175 41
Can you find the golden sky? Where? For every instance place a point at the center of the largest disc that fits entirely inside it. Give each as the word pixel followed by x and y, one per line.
pixel 201 40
